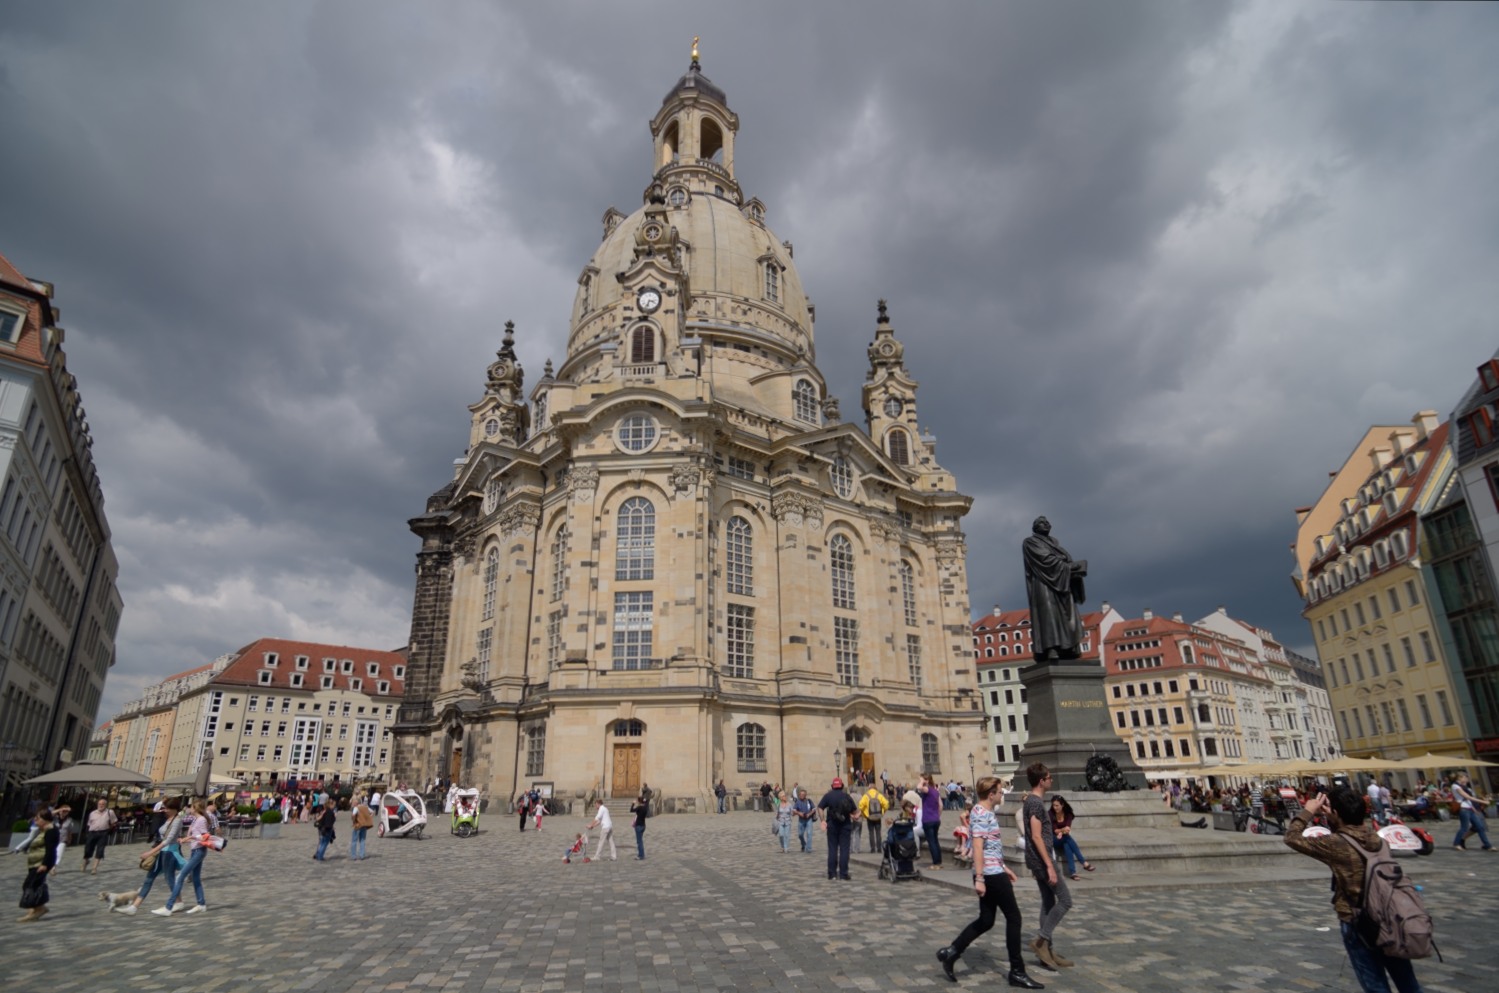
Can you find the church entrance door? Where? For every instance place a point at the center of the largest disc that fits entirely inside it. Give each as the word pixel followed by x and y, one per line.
pixel 859 760
pixel 455 766
pixel 626 779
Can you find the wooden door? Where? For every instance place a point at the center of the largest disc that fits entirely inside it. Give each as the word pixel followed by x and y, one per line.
pixel 626 779
pixel 456 765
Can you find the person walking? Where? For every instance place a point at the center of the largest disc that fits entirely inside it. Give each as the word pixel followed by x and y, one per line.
pixel 62 817
pixel 1061 829
pixel 1344 851
pixel 872 806
pixel 721 792
pixel 363 820
pixel 167 859
pixel 523 807
pixel 838 821
pixel 325 832
pixel 785 812
pixel 931 817
pixel 41 860
pixel 641 808
pixel 994 883
pixel 605 823
pixel 199 830
pixel 98 828
pixel 1056 899
pixel 1469 815
pixel 806 816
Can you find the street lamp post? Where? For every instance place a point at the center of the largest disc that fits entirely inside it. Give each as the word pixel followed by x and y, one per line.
pixel 972 780
pixel 837 762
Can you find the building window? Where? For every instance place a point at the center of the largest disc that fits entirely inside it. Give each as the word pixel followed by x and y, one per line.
pixel 843 477
pixel 642 345
pixel 253 703
pixel 482 649
pixel 265 678
pixel 1411 596
pixel 494 492
pixel 327 682
pixel 899 448
pixel 772 281
pixel 1446 710
pixel 846 650
pixel 554 639
pixel 636 548
pixel 740 565
pixel 1428 649
pixel 632 630
pixel 908 592
pixel 296 680
pixel 804 402
pixel 491 579
pixel 536 750
pixel 740 638
pixel 913 659
pixel 749 747
pixel 1421 705
pixel 930 759
pixel 1405 714
pixel 629 729
pixel 559 562
pixel 842 558
pixel 636 433
pixel 1405 648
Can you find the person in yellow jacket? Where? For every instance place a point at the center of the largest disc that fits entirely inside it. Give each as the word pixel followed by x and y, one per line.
pixel 872 806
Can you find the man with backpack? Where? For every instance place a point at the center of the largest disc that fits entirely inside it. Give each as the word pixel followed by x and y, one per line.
pixel 1383 922
pixel 872 809
pixel 838 811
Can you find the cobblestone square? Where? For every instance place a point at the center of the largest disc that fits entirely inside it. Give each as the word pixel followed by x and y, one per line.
pixel 715 906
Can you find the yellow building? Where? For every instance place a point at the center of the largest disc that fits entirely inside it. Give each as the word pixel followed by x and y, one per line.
pixel 677 564
pixel 1361 575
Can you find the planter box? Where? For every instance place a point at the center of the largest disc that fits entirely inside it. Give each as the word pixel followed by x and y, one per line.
pixel 269 831
pixel 16 839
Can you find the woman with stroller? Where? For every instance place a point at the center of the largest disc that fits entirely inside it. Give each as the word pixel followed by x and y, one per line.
pixel 994 883
pixel 1061 829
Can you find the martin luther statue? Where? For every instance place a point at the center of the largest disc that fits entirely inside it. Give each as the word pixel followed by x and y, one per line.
pixel 1053 588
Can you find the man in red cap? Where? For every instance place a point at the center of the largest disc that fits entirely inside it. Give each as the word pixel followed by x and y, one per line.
pixel 838 820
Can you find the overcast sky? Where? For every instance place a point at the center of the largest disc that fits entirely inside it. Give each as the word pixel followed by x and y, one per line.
pixel 1157 266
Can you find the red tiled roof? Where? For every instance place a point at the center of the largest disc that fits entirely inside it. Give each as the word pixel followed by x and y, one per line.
pixel 250 662
pixel 189 672
pixel 10 273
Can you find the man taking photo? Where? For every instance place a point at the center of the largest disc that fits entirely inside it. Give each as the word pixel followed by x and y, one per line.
pixel 1344 808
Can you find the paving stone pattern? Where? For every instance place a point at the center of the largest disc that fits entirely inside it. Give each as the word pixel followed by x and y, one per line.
pixel 716 906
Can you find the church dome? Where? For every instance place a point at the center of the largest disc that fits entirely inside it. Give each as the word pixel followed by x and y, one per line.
pixel 697 238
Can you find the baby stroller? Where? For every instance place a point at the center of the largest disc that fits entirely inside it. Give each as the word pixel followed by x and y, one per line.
pixel 899 859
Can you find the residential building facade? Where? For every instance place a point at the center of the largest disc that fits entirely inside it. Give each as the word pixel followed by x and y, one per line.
pixel 677 563
pixel 59 603
pixel 1362 577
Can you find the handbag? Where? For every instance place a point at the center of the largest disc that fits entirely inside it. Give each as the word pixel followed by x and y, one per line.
pixel 148 861
pixel 34 890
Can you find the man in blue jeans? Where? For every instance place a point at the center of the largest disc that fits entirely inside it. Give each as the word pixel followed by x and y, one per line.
pixel 1344 808
pixel 806 816
pixel 838 818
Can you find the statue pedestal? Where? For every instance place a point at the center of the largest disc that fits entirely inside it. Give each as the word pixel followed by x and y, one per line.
pixel 1069 724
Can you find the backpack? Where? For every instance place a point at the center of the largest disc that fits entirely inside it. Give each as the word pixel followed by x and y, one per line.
pixel 841 810
pixel 1393 919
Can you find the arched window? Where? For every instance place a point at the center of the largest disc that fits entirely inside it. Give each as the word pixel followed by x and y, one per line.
pixel 642 345
pixel 842 558
pixel 670 142
pixel 629 729
pixel 711 144
pixel 908 592
pixel 930 760
pixel 749 746
pixel 804 402
pixel 494 492
pixel 491 579
pixel 559 562
pixel 843 477
pixel 1187 655
pixel 772 281
pixel 739 567
pixel 900 450
pixel 635 551
pixel 541 412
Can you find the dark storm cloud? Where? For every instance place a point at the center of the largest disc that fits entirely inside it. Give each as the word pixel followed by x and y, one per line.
pixel 1157 266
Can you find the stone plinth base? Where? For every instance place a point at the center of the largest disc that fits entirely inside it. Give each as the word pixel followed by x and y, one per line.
pixel 1069 724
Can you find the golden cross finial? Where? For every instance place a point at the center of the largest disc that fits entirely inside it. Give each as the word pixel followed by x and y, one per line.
pixel 694 48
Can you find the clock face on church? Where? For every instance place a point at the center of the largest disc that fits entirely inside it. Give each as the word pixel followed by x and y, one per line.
pixel 893 407
pixel 648 301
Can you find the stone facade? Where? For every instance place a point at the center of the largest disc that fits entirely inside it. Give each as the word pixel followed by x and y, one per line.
pixel 671 562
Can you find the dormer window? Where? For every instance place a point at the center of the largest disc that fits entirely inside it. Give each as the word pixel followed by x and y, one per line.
pixel 399 672
pixel 357 685
pixel 384 688
pixel 296 680
pixel 272 659
pixel 347 666
pixel 372 669
pixel 328 665
pixel 804 402
pixel 327 682
pixel 265 677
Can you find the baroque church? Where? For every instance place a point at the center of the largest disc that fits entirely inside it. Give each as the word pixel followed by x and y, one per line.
pixel 672 562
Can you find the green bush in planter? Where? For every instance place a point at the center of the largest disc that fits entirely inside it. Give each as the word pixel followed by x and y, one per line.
pixel 20 827
pixel 270 817
pixel 245 809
